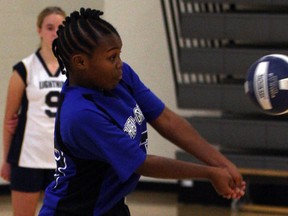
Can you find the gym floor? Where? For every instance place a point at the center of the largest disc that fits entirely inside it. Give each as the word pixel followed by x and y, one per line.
pixel 151 203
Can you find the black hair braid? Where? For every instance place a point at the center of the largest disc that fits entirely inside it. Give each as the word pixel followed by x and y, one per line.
pixel 89 13
pixel 80 33
pixel 56 54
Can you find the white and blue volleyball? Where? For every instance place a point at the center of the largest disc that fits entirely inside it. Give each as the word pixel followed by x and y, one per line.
pixel 267 84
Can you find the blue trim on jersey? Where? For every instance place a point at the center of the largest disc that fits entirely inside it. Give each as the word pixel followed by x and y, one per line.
pixel 104 140
pixel 21 70
pixel 45 65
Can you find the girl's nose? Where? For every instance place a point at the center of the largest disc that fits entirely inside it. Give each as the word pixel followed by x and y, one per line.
pixel 119 63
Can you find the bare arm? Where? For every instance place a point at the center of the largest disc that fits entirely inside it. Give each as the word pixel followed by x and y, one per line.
pixel 177 130
pixel 161 167
pixel 13 102
pixel 180 132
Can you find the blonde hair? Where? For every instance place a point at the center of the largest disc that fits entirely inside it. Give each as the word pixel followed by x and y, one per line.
pixel 46 12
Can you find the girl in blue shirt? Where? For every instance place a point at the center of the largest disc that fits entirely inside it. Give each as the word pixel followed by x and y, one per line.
pixel 101 133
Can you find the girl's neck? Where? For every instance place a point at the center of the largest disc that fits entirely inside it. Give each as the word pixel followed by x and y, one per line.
pixel 47 54
pixel 49 58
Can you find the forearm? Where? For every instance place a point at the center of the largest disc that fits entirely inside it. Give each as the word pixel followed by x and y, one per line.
pixel 9 128
pixel 181 133
pixel 160 167
pixel 223 174
pixel 222 181
pixel 7 139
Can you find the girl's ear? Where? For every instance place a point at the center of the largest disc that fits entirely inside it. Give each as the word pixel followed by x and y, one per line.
pixel 79 61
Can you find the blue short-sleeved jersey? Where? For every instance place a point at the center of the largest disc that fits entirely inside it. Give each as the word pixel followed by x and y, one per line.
pixel 103 141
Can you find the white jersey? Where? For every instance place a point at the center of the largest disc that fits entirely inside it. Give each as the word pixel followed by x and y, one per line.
pixel 33 143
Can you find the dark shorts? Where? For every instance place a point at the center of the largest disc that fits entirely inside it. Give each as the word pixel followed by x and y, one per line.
pixel 120 209
pixel 29 179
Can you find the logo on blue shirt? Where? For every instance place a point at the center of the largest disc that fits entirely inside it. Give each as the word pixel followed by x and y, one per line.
pixel 130 126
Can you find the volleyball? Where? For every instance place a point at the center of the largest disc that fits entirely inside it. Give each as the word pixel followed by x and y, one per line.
pixel 267 84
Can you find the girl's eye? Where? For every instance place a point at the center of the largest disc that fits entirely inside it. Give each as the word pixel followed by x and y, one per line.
pixel 50 28
pixel 112 58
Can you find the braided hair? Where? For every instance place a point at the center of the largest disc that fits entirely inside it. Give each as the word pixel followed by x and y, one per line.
pixel 80 33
